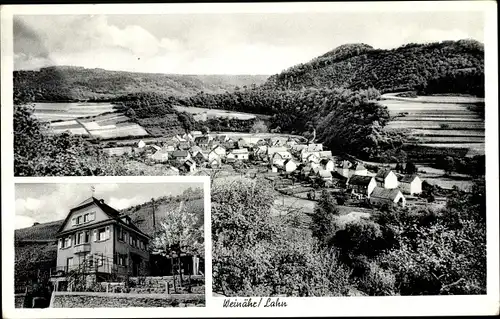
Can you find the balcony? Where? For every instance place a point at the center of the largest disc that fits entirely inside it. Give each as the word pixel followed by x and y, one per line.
pixel 82 248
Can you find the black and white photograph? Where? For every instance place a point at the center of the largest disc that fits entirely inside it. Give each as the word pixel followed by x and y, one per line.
pixel 109 245
pixel 349 149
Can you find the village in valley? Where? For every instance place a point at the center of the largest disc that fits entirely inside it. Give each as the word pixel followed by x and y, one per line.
pixel 296 166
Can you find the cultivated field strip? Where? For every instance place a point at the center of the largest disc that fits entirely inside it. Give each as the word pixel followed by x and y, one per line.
pixel 445 124
pixel 91 122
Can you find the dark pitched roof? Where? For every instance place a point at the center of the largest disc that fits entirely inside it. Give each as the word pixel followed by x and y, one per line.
pixel 180 153
pixel 407 178
pixel 360 180
pixel 201 139
pixel 324 161
pixel 385 193
pixel 108 210
pixel 382 174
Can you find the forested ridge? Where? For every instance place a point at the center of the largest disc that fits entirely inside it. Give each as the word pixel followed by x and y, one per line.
pixel 440 67
pixel 69 83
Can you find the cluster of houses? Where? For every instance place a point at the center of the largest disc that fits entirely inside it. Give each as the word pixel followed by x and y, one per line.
pixel 284 155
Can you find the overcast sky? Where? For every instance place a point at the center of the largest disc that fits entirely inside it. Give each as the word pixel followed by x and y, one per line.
pixel 254 43
pixel 49 202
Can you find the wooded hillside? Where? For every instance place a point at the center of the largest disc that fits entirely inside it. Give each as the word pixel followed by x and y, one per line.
pixel 64 83
pixel 440 67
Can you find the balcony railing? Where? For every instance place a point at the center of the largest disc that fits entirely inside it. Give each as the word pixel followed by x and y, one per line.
pixel 83 248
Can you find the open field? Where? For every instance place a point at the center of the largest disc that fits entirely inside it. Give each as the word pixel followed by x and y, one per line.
pixel 438 121
pixel 48 112
pixel 442 99
pixel 211 113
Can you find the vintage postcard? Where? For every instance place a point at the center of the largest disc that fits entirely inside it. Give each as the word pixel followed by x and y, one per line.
pixel 350 149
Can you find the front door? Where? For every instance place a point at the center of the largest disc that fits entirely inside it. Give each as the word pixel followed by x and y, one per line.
pixel 136 262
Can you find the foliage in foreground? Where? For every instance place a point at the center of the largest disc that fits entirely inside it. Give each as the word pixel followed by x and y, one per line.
pixel 253 254
pixel 418 252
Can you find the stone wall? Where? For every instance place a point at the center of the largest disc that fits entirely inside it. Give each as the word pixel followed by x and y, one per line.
pixel 123 300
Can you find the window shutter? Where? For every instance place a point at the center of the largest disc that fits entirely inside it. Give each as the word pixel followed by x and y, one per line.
pixel 73 221
pixel 108 235
pixel 60 243
pixel 95 234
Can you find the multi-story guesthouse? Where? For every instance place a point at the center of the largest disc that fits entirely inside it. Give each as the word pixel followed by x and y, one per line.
pixel 96 241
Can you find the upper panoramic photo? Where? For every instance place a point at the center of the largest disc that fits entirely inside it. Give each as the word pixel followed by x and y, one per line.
pixel 225 94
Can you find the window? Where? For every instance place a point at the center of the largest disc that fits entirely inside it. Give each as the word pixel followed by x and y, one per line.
pixel 102 234
pixel 60 243
pixel 67 242
pixel 120 233
pixel 85 218
pixel 79 220
pixel 125 236
pixel 134 242
pixel 91 216
pixel 80 239
pixel 87 236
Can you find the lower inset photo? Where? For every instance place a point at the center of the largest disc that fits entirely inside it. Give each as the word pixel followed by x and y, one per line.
pixel 109 245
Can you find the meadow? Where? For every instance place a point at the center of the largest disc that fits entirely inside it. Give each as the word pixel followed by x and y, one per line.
pixel 211 113
pixel 97 120
pixel 437 121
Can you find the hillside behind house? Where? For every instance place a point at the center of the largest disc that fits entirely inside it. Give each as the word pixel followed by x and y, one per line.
pixel 70 83
pixel 439 67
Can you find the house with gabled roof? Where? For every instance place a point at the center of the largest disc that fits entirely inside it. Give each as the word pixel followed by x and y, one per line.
pixel 410 184
pixel 238 154
pixel 214 163
pixel 185 145
pixel 386 178
pixel 98 242
pixel 221 138
pixel 219 150
pixel 189 165
pixel 272 150
pixel 327 164
pixel 195 149
pixel 281 156
pixel 160 155
pixel 188 137
pixel 177 138
pixel 200 156
pixel 387 196
pixel 289 165
pixel 312 157
pixel 202 141
pixel 362 185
